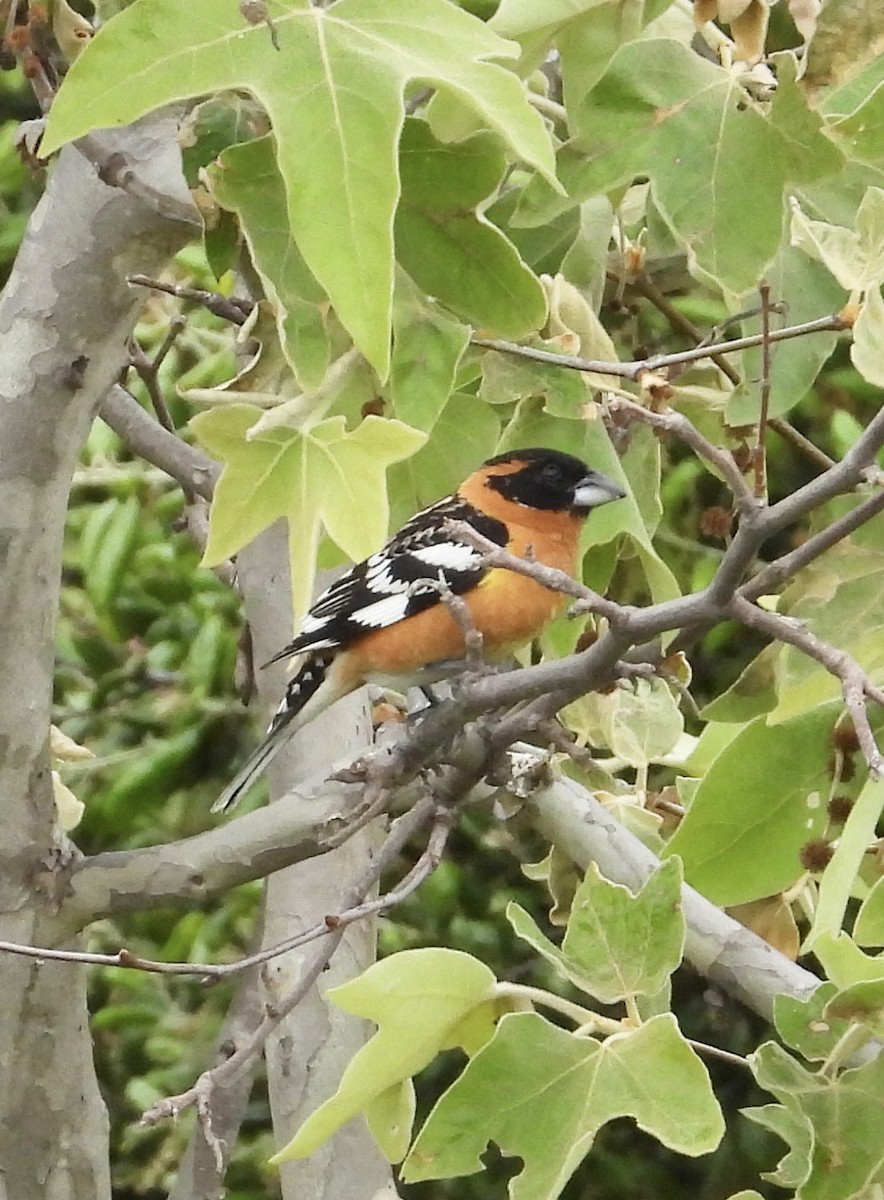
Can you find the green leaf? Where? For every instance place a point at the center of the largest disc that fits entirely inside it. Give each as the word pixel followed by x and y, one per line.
pixel 507 378
pixel 843 1117
pixel 839 877
pixel 450 249
pixel 861 1004
pixel 642 722
pixel 844 962
pixel 427 348
pixel 418 999
pixel 617 944
pixel 334 92
pixel 806 1027
pixel 119 524
pixel 794 1129
pixel 869 927
pixel 247 181
pixel 753 694
pixel 836 608
pixel 756 806
pixel 542 1094
pixel 867 350
pixel 663 111
pixel 322 476
pixel 464 435
pixel 806 289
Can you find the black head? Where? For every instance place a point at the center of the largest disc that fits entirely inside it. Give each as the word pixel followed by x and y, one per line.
pixel 551 481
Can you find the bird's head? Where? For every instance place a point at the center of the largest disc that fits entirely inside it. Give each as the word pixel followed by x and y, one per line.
pixel 549 480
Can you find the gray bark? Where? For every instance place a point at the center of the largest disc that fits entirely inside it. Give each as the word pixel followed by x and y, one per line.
pixel 313 1045
pixel 65 317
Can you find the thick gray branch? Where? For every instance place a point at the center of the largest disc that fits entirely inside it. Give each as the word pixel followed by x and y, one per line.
pixel 719 948
pixel 255 845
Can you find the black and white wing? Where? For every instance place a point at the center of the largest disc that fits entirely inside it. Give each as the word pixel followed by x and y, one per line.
pixel 385 588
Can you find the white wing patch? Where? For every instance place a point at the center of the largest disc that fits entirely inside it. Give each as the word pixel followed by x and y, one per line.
pixel 383 612
pixel 449 556
pixel 380 578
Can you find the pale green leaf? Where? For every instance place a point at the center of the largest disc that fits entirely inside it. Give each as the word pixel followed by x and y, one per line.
pixel 542 1094
pixel 759 802
pixel 390 1117
pixel 869 927
pixel 794 1129
pixel 843 1117
pixel 806 1027
pixel 616 943
pixel 836 247
pixel 641 722
pixel 844 962
pixel 867 351
pixel 417 999
pixel 515 18
pixel 839 877
pixel 324 476
pixel 860 1004
pixel 334 92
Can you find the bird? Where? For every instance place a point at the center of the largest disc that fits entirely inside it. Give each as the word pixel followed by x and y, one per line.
pixel 385 621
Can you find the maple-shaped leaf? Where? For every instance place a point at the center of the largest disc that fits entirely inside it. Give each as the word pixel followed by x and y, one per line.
pixel 321 476
pixel 333 81
pixel 423 1002
pixel 542 1094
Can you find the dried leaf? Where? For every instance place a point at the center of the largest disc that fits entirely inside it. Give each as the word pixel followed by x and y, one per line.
pixel 771 918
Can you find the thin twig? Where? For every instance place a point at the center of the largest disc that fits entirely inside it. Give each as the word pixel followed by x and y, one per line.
pixel 679 426
pixel 645 286
pixel 148 370
pixel 802 444
pixel 400 833
pixel 229 308
pixel 759 456
pixel 855 683
pixel 635 368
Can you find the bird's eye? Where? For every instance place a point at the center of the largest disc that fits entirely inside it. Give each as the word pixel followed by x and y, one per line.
pixel 552 472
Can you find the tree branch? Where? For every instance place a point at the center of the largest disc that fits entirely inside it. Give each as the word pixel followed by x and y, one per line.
pixel 636 367
pixel 145 436
pixel 717 946
pixel 855 683
pixel 252 846
pixel 201 1092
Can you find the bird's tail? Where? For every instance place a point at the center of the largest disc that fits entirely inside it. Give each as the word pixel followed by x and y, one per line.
pixel 301 688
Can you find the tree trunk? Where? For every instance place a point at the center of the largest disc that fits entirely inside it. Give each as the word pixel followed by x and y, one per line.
pixel 65 318
pixel 312 1046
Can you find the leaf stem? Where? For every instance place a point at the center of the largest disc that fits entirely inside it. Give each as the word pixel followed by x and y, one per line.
pixel 583 1017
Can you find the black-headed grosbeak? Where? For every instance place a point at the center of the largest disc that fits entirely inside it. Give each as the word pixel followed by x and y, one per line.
pixel 378 624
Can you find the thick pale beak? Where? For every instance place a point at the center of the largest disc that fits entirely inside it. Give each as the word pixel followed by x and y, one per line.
pixel 595 489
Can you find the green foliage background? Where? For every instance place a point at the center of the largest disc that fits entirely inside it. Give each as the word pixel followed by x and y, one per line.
pixel 148 639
